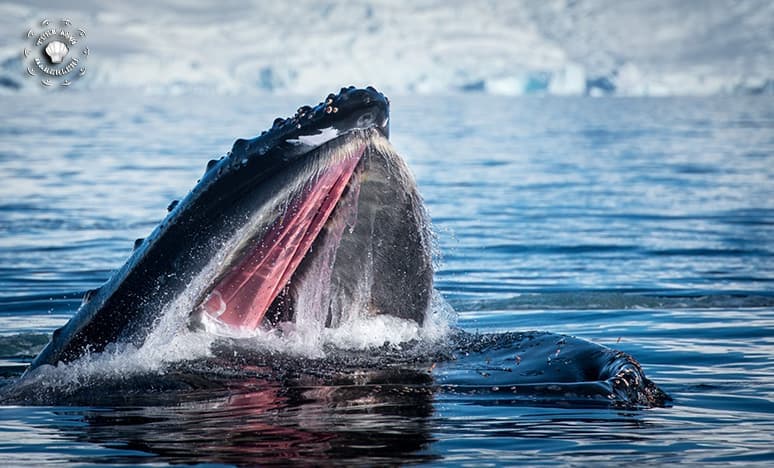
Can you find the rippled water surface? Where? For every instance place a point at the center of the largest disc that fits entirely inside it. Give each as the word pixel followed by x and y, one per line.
pixel 646 225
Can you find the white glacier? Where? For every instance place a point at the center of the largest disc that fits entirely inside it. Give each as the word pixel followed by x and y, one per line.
pixel 562 47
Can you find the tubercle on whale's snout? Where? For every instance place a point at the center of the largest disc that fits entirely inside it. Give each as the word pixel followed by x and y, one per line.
pixel 350 109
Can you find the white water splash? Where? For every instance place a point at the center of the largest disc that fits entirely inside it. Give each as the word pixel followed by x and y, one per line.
pixel 172 342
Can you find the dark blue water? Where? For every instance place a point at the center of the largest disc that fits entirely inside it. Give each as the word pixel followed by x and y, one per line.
pixel 646 225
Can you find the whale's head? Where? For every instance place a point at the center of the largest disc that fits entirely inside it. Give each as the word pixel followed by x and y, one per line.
pixel 317 221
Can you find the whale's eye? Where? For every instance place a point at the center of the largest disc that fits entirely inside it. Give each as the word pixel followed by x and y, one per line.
pixel 365 119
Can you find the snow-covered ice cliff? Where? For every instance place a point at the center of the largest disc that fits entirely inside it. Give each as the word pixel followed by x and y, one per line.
pixel 564 47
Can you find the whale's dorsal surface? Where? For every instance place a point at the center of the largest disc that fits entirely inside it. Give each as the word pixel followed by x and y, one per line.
pixel 316 220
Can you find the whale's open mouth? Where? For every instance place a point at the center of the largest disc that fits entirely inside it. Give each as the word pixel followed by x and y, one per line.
pixel 317 220
pixel 340 234
pixel 241 297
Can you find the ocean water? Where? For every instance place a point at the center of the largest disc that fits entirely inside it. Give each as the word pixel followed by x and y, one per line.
pixel 645 225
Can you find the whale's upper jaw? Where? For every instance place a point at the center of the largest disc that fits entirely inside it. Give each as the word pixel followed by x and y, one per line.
pixel 351 109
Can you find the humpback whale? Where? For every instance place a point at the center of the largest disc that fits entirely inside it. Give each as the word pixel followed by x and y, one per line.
pixel 315 220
